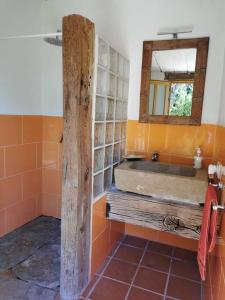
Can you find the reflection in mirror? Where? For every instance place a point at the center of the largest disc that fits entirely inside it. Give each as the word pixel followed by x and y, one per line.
pixel 172 82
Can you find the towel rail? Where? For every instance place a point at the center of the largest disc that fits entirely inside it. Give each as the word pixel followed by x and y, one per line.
pixel 219 185
pixel 217 206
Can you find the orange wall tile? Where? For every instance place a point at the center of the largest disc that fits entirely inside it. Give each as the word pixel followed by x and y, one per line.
pixel 32 129
pixel 20 174
pixel 49 155
pixel 175 143
pixel 10 191
pixel 161 237
pixel 19 159
pixel 52 129
pixel 51 181
pixel 2 163
pixel 20 213
pixel 10 130
pixel 32 183
pixel 2 222
pixel 51 205
pixel 105 234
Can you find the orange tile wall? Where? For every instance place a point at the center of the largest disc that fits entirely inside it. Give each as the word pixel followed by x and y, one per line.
pixel 20 170
pixel 177 144
pixel 51 165
pixel 105 234
pixel 30 179
pixel 30 169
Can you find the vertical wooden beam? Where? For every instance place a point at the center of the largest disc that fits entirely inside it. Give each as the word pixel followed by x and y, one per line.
pixel 78 60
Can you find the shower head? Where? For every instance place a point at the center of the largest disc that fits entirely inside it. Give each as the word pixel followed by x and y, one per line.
pixel 56 41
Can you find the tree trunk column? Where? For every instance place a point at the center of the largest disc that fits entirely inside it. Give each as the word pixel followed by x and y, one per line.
pixel 78 61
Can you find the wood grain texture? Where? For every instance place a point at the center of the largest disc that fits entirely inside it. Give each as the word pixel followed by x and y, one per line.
pixel 78 60
pixel 153 213
pixel 201 44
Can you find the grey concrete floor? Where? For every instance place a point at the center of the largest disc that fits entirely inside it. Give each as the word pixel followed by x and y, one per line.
pixel 30 261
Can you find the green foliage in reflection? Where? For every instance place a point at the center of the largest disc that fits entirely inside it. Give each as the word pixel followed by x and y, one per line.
pixel 181 99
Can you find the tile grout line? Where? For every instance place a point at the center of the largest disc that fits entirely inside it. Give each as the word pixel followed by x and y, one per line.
pixel 138 267
pixel 154 269
pixel 168 276
pixel 145 250
pixel 100 276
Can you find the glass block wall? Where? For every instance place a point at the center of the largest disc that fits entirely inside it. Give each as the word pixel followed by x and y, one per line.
pixel 110 114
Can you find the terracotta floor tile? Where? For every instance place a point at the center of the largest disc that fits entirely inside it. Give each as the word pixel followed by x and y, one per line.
pixel 151 280
pixel 160 248
pixel 156 261
pixel 129 254
pixel 120 270
pixel 184 254
pixel 89 287
pixel 134 241
pixel 183 289
pixel 108 289
pixel 138 294
pixel 187 269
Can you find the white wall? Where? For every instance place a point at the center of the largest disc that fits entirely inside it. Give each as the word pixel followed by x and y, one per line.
pixel 126 24
pixel 98 11
pixel 27 89
pixel 20 59
pixel 222 101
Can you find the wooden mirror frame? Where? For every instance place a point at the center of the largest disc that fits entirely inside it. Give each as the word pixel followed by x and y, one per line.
pixel 201 44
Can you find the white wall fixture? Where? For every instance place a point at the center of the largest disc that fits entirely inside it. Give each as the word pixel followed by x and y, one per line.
pixel 109 114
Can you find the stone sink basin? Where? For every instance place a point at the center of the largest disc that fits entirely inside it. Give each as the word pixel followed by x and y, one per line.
pixel 178 183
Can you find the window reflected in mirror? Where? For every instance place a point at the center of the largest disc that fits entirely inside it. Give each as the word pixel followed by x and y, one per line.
pixel 172 82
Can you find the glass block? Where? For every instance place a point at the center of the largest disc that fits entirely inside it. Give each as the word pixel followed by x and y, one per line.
pixel 122 149
pixel 120 65
pixel 126 69
pixel 123 130
pixel 116 153
pixel 109 133
pixel 125 90
pixel 110 109
pixel 107 178
pixel 100 107
pixel 117 132
pixel 102 85
pixel 98 186
pixel 119 110
pixel 112 85
pixel 99 135
pixel 108 156
pixel 119 92
pixel 103 53
pixel 112 60
pixel 98 160
pixel 124 117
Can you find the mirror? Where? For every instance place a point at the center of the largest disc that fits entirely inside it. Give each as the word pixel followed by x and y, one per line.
pixel 173 77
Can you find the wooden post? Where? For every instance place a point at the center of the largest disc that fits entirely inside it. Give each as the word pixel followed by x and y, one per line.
pixel 78 61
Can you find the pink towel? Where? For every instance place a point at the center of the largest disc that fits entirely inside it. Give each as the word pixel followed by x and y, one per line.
pixel 208 234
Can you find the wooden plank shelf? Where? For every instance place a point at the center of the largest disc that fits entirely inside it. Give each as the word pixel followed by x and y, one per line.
pixel 160 214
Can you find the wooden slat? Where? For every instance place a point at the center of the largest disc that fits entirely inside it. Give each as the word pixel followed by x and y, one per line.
pixel 78 58
pixel 154 213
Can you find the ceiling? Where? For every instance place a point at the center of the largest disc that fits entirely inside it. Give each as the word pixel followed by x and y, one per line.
pixel 178 60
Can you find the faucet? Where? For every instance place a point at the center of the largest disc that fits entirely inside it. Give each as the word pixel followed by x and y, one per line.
pixel 155 156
